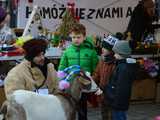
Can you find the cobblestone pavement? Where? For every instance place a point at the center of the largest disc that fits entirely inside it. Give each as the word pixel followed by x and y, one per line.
pixel 136 112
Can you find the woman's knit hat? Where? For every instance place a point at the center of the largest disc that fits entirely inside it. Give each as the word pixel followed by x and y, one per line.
pixel 122 47
pixel 34 47
pixel 3 14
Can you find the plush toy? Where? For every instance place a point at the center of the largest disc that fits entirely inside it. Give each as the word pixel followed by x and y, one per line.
pixel 151 67
pixel 61 74
pixel 67 75
pixel 63 85
pixel 157 118
pixel 149 39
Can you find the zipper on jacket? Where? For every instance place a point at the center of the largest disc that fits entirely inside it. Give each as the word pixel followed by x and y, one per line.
pixel 78 49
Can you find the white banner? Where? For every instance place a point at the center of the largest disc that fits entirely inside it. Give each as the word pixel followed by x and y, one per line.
pixel 99 16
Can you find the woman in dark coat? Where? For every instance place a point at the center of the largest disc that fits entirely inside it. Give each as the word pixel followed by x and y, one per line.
pixel 140 23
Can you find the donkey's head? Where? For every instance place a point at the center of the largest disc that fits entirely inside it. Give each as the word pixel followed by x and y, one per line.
pixel 82 83
pixel 74 81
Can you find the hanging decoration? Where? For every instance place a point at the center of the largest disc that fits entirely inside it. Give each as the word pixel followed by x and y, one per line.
pixel 30 21
pixel 30 1
pixel 71 8
pixel 68 19
pixel 14 3
pixel 35 19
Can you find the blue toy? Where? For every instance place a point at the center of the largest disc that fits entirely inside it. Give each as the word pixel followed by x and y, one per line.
pixel 67 75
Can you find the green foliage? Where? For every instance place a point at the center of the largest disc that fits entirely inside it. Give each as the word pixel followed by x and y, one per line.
pixel 55 39
pixel 67 21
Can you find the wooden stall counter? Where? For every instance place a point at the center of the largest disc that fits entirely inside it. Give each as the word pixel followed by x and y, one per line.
pixel 144 91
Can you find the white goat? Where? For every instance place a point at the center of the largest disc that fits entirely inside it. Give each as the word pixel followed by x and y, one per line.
pixel 27 105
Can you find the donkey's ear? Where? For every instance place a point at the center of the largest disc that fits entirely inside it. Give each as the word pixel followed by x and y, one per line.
pixel 84 81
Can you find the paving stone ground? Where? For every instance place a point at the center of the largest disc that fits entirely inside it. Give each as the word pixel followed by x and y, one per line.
pixel 136 112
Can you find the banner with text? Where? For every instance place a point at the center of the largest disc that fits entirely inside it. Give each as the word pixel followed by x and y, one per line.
pixel 99 16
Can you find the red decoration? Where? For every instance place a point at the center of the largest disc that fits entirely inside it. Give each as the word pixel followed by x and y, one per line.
pixel 30 1
pixel 71 7
pixel 71 1
pixel 17 52
pixel 15 3
pixel 77 18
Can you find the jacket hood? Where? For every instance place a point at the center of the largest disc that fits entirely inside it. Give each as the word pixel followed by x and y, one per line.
pixel 88 42
pixel 127 60
pixel 132 63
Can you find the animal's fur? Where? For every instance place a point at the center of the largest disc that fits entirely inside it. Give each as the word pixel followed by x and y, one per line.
pixel 27 105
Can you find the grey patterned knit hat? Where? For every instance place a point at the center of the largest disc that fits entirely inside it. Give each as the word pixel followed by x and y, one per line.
pixel 122 47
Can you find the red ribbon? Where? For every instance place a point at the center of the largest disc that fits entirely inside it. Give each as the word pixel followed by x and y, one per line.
pixel 30 1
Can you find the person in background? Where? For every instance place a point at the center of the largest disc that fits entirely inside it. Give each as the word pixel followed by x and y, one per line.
pixel 103 72
pixel 118 89
pixel 7 36
pixel 80 52
pixel 140 23
pixel 35 73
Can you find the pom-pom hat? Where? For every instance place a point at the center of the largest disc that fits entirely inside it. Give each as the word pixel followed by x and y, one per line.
pixel 109 42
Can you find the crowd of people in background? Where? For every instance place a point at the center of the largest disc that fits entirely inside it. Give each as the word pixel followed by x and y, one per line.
pixel 6 34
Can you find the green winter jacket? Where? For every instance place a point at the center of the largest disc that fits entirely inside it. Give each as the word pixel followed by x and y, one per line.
pixel 83 55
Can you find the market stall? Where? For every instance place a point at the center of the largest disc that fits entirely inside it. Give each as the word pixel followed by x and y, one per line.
pixel 40 20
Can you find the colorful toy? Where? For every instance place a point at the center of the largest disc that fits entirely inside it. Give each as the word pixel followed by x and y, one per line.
pixel 157 118
pixel 63 84
pixel 151 67
pixel 21 40
pixel 67 76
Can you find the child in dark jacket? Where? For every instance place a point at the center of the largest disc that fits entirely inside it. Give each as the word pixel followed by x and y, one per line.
pixel 119 87
pixel 103 71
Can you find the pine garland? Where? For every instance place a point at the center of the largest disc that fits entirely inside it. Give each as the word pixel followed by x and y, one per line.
pixel 68 21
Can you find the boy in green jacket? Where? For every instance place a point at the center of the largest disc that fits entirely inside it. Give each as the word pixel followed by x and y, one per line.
pixel 81 52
